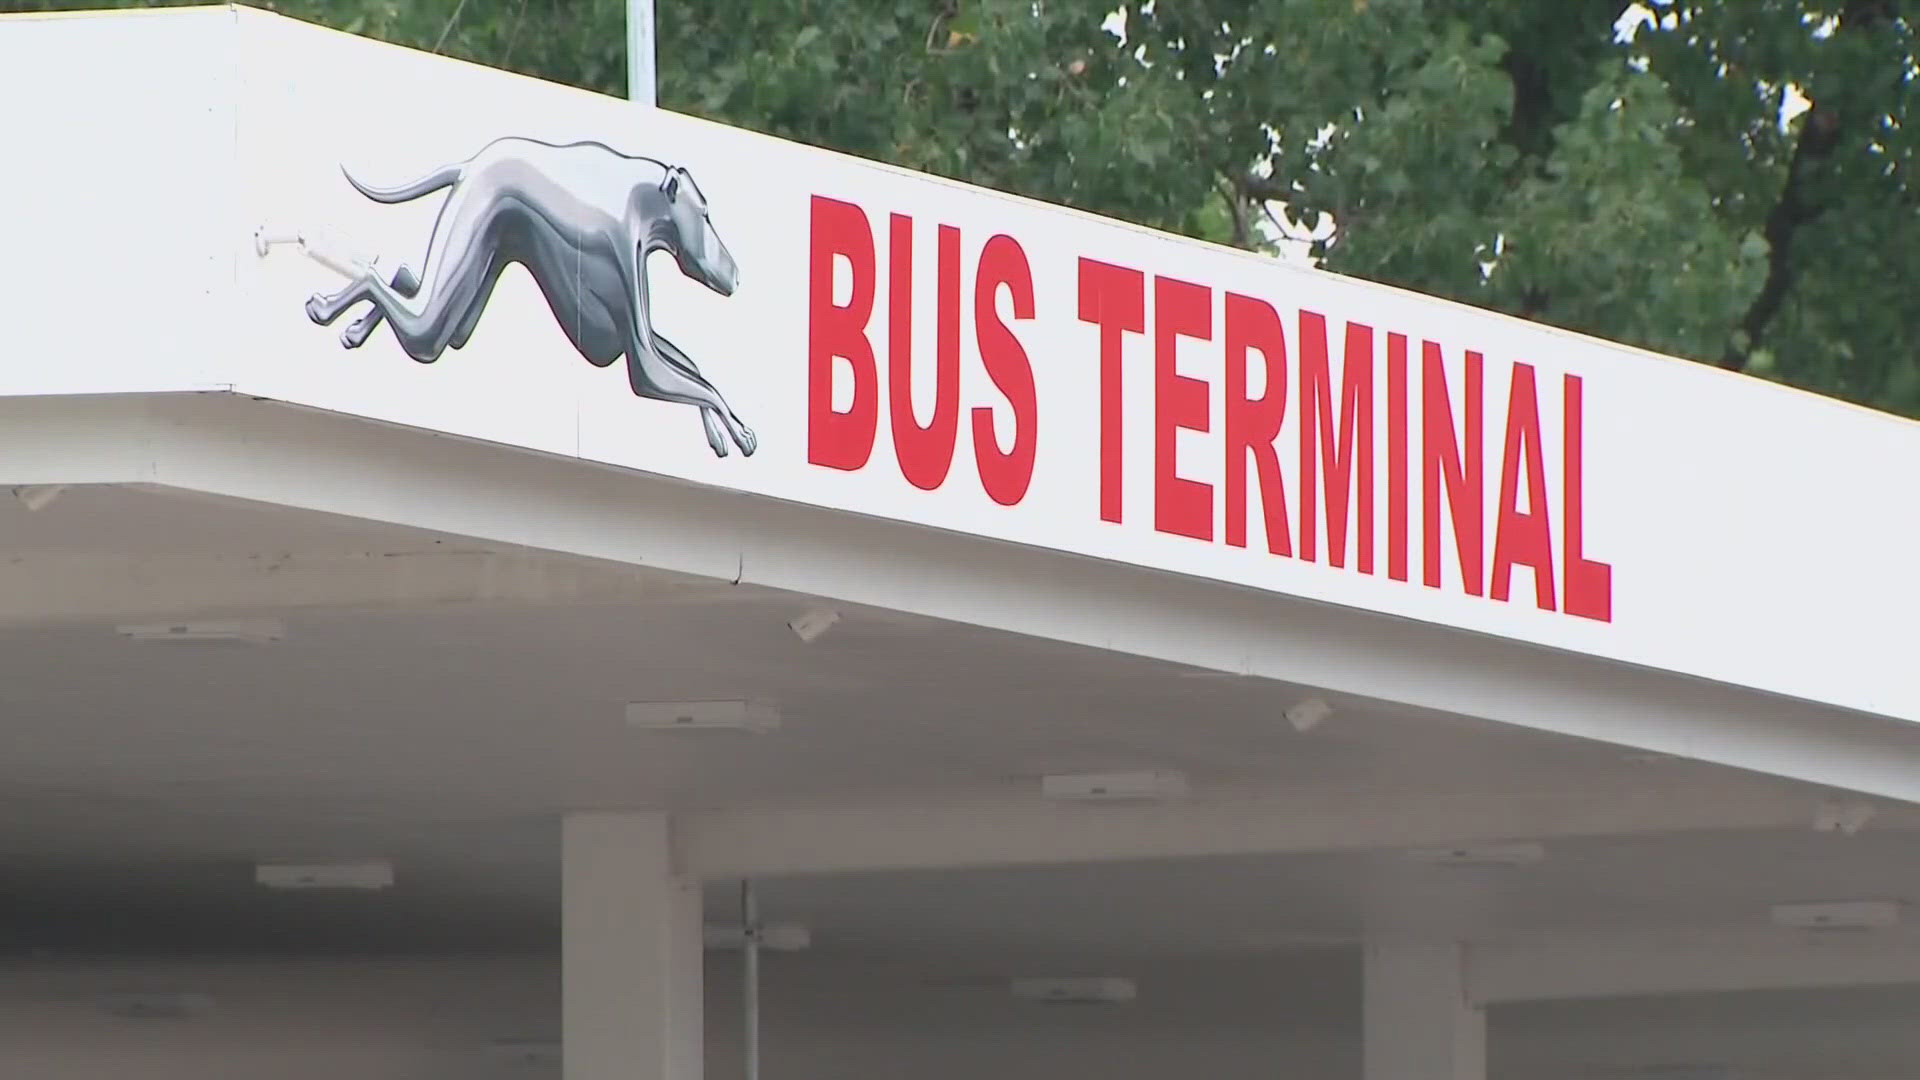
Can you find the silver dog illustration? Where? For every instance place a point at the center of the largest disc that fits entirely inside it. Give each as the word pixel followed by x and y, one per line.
pixel 582 218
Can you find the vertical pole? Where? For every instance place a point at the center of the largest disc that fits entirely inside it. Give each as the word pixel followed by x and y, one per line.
pixel 642 81
pixel 750 923
pixel 1418 1022
pixel 630 952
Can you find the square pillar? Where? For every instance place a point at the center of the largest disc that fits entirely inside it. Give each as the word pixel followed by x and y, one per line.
pixel 630 952
pixel 1418 1023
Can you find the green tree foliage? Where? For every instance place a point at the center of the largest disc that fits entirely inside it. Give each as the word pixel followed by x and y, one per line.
pixel 1730 181
pixel 1535 158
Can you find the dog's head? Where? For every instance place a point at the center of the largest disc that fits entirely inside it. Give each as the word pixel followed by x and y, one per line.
pixel 696 246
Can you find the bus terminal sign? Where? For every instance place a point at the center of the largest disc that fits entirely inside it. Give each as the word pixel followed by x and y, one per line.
pixel 540 267
pixel 529 265
pixel 1345 487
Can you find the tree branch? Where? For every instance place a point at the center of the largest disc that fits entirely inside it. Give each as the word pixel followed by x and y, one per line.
pixel 1797 207
pixel 1819 134
pixel 1237 204
pixel 513 35
pixel 1265 188
pixel 1536 113
pixel 448 29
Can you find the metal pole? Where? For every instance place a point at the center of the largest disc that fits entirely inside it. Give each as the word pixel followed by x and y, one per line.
pixel 750 922
pixel 641 77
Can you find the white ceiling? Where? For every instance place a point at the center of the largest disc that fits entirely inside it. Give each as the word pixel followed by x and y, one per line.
pixel 139 783
pixel 451 738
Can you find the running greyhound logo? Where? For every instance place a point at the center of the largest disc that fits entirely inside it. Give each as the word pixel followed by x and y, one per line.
pixel 582 218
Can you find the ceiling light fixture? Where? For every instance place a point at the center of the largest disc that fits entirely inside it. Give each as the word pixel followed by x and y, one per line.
pixel 294 876
pixel 1308 714
pixel 38 496
pixel 810 625
pixel 733 715
pixel 1841 915
pixel 1099 991
pixel 156 1005
pixel 1846 817
pixel 1486 856
pixel 1289 940
pixel 777 938
pixel 525 1052
pixel 1155 785
pixel 1675 1072
pixel 244 631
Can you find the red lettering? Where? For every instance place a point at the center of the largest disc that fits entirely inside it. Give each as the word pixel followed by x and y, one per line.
pixel 1180 309
pixel 925 453
pixel 835 439
pixel 1114 298
pixel 1005 475
pixel 1441 459
pixel 1252 424
pixel 1523 538
pixel 1348 465
pixel 1588 591
pixel 1397 456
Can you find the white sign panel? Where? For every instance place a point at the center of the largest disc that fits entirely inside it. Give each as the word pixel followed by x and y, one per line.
pixel 117 172
pixel 530 265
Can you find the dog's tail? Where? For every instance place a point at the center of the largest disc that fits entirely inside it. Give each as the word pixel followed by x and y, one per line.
pixel 445 176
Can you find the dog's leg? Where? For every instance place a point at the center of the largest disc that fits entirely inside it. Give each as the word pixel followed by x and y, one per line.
pixel 653 375
pixel 716 434
pixel 422 334
pixel 709 419
pixel 406 284
pixel 425 334
pixel 425 308
pixel 324 308
pixel 477 305
pixel 456 274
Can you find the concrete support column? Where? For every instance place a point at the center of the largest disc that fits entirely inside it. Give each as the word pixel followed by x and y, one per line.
pixel 1418 1021
pixel 630 952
